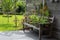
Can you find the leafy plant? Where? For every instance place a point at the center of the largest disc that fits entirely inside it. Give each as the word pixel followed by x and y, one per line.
pixel 43 20
pixel 37 19
pixel 34 18
pixel 44 11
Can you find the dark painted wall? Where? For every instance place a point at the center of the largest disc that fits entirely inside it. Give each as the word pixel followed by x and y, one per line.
pixel 55 11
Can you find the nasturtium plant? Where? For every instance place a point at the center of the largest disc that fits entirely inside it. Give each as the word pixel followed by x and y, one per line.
pixel 43 20
pixel 37 19
pixel 34 18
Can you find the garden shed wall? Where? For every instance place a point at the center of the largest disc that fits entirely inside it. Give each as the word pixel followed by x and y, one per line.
pixel 55 11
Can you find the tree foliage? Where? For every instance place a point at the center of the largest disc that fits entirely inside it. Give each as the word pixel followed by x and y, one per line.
pixel 8 5
pixel 20 6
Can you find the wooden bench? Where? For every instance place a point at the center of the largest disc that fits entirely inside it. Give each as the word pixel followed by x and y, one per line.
pixel 39 29
pixel 32 26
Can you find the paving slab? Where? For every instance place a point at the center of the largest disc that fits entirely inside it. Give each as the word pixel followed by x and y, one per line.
pixel 20 35
pixel 17 35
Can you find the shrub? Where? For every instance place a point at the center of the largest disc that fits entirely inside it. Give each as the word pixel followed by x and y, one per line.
pixel 20 7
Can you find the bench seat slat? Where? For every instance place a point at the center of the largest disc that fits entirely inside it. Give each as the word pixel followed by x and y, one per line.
pixel 29 25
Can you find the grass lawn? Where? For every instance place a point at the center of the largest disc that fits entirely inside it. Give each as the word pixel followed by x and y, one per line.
pixel 8 26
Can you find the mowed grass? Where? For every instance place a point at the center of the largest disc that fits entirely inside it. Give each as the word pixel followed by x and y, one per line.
pixel 10 26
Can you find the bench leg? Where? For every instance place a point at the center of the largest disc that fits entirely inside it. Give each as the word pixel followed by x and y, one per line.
pixel 23 28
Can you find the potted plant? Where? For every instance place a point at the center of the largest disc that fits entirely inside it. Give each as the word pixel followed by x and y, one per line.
pixel 35 20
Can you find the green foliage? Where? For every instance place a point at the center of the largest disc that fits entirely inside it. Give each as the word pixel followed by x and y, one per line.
pixel 46 13
pixel 10 5
pixel 7 5
pixel 37 19
pixel 20 6
pixel 43 20
pixel 34 18
pixel 20 3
